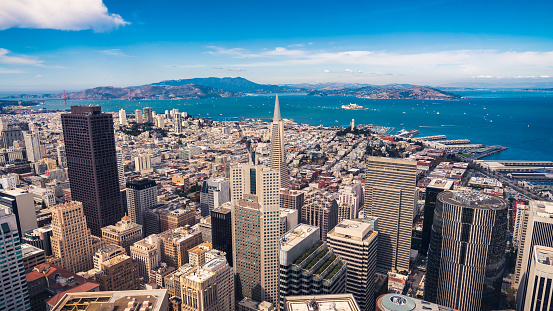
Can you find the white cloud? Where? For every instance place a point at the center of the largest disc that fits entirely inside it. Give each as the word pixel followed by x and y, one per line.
pixel 114 52
pixel 17 60
pixel 58 14
pixel 10 71
pixel 348 70
pixel 235 69
pixel 326 71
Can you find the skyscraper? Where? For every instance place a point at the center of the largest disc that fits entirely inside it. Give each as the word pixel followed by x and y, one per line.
pixel 71 241
pixel 390 196
pixel 214 192
pixel 120 168
pixel 435 187
pixel 138 118
pixel 540 277
pixel 122 117
pixel 466 257
pixel 62 158
pixel 32 145
pixel 355 241
pixel 177 123
pixel 141 195
pixel 319 209
pixel 221 230
pixel 22 206
pixel 536 230
pixel 255 231
pixel 148 115
pixel 13 286
pixel 277 157
pixel 92 165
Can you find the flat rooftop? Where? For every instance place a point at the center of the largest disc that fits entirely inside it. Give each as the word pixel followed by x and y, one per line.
pixel 296 235
pixel 339 302
pixel 473 199
pixel 440 183
pixel 543 255
pixel 113 300
pixel 29 250
pixel 353 228
pixel 199 275
pixel 397 302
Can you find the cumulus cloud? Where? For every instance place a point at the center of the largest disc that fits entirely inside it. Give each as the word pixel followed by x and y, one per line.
pixel 16 60
pixel 348 70
pixel 58 14
pixel 326 71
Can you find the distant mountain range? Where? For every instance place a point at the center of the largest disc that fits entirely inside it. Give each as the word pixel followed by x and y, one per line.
pixel 199 88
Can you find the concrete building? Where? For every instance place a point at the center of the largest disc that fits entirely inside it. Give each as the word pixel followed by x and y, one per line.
pixel 39 238
pixel 32 145
pixel 22 206
pixel 432 190
pixel 151 300
pixel 124 233
pixel 148 115
pixel 288 220
pixel 466 257
pixel 43 195
pixel 248 304
pixel 143 164
pixel 32 256
pixel 390 196
pixel 147 253
pixel 292 199
pixel 255 213
pixel 221 230
pixel 141 195
pixel 173 280
pixel 175 244
pixel 342 302
pixel 214 192
pixel 105 253
pixel 277 155
pixel 163 217
pixel 199 290
pixel 398 302
pixel 177 123
pixel 536 230
pixel 225 282
pixel 122 117
pixel 72 243
pixel 120 168
pixel 92 165
pixel 62 158
pixel 540 278
pixel 355 241
pixel 196 255
pixel 319 209
pixel 118 273
pixel 351 196
pixel 158 274
pixel 521 219
pixel 138 117
pixel 308 266
pixel 13 286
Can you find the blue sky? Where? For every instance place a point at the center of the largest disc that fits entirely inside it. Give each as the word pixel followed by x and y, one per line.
pixel 52 45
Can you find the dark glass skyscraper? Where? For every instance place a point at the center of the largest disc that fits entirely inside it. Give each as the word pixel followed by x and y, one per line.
pixel 92 165
pixel 221 230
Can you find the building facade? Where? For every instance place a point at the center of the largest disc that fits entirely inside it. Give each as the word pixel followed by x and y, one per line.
pixel 319 209
pixel 277 155
pixel 214 192
pixel 466 256
pixel 92 165
pixel 390 196
pixel 221 230
pixel 141 195
pixel 124 233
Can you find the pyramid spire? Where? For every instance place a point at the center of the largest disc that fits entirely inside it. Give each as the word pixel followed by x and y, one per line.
pixel 276 118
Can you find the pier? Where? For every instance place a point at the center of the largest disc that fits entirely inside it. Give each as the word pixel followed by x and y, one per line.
pixel 435 137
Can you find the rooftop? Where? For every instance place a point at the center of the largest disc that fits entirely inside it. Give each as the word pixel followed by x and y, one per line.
pixel 338 302
pixel 296 235
pixel 199 275
pixel 353 228
pixel 113 300
pixel 543 255
pixel 29 250
pixel 473 199
pixel 397 302
pixel 439 183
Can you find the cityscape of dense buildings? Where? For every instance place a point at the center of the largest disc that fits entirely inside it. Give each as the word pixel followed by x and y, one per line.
pixel 151 210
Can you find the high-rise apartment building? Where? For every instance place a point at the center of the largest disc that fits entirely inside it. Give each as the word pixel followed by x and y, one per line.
pixel 225 282
pixel 214 192
pixel 308 266
pixel 292 199
pixel 177 123
pixel 92 165
pixel 319 209
pixel 141 195
pixel 536 229
pixel 540 277
pixel 352 196
pixel 355 241
pixel 255 192
pixel 62 158
pixel 72 243
pixel 466 257
pixel 390 196
pixel 175 244
pixel 138 118
pixel 32 145
pixel 147 253
pixel 124 233
pixel 22 206
pixel 13 286
pixel 277 156
pixel 120 168
pixel 435 187
pixel 148 115
pixel 221 230
pixel 122 117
